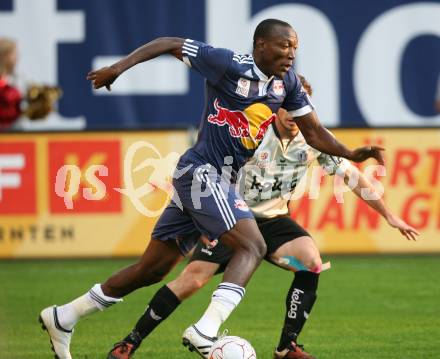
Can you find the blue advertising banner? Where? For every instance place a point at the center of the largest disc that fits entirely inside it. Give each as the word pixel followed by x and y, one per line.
pixel 371 63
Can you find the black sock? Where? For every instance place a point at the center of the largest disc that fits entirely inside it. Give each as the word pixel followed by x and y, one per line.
pixel 299 303
pixel 161 306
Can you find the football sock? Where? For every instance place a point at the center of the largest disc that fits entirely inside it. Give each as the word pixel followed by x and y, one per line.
pixel 224 300
pixel 299 303
pixel 88 303
pixel 160 307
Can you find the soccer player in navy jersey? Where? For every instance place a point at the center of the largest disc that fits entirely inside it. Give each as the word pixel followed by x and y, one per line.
pixel 243 93
pixel 270 179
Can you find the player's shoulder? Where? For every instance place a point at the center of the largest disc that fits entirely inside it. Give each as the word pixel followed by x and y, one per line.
pixel 242 63
pixel 291 79
pixel 243 59
pixel 196 45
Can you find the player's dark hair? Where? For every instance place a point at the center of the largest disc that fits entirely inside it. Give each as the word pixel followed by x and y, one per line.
pixel 306 84
pixel 265 28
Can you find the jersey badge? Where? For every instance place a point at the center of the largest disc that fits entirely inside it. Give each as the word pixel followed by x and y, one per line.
pixel 243 87
pixel 278 87
pixel 263 159
pixel 302 156
pixel 241 205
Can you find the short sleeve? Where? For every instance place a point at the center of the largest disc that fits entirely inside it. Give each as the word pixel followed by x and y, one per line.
pixel 297 101
pixel 333 164
pixel 209 61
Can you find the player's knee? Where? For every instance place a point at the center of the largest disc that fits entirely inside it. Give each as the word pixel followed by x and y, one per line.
pixel 262 249
pixel 194 277
pixel 197 283
pixel 257 249
pixel 313 263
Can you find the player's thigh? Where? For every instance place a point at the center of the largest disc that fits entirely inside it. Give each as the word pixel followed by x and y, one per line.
pixel 218 211
pixel 219 255
pixel 176 228
pixel 286 238
pixel 245 236
pixel 302 249
pixel 160 253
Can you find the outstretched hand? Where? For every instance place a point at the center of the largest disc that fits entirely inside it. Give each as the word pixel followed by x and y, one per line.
pixel 405 229
pixel 363 153
pixel 103 77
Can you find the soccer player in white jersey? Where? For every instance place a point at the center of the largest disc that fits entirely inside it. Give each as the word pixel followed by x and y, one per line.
pixel 279 163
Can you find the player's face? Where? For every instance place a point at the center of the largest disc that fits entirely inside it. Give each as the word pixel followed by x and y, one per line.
pixel 278 51
pixel 287 123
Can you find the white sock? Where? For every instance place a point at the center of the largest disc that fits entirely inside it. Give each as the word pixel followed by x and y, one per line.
pixel 224 300
pixel 91 302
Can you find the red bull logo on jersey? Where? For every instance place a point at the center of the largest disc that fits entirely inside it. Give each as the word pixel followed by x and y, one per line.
pixel 241 205
pixel 249 125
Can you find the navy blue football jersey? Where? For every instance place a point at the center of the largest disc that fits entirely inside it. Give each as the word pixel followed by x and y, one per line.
pixel 240 104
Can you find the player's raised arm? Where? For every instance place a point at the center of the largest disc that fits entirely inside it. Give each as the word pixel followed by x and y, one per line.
pixel 375 201
pixel 163 45
pixel 320 138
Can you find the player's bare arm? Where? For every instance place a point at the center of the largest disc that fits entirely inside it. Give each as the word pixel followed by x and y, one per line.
pixel 320 138
pixel 163 45
pixel 377 203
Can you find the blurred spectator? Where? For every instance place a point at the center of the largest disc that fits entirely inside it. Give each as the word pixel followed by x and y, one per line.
pixel 10 96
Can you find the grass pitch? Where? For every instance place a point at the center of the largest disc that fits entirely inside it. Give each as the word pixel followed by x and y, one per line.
pixel 368 307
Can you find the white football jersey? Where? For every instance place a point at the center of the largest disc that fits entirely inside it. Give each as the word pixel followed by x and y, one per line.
pixel 275 169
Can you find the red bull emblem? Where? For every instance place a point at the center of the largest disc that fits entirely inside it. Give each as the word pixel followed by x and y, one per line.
pixel 252 127
pixel 236 120
pixel 264 126
pixel 241 205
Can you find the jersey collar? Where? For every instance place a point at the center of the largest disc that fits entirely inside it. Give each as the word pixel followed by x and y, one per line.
pixel 261 75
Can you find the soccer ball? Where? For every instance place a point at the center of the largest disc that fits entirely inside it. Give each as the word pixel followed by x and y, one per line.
pixel 232 348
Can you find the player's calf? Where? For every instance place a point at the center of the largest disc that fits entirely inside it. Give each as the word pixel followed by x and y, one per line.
pixel 299 303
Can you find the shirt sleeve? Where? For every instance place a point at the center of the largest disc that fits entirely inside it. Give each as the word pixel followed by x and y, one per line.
pixel 209 61
pixel 297 101
pixel 333 164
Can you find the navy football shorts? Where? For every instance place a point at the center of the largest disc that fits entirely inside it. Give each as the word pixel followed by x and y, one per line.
pixel 202 203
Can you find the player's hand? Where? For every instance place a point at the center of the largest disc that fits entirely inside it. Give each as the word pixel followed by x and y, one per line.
pixel 207 243
pixel 363 153
pixel 409 232
pixel 103 77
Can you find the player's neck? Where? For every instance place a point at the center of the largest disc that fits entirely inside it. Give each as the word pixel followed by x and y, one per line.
pixel 260 65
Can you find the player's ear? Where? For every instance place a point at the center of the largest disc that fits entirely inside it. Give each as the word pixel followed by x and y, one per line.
pixel 259 42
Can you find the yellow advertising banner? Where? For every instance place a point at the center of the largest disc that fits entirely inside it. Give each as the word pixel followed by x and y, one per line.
pixel 99 194
pixel 411 187
pixel 83 194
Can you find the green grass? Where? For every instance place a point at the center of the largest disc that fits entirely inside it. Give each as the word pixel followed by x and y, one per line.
pixel 368 307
